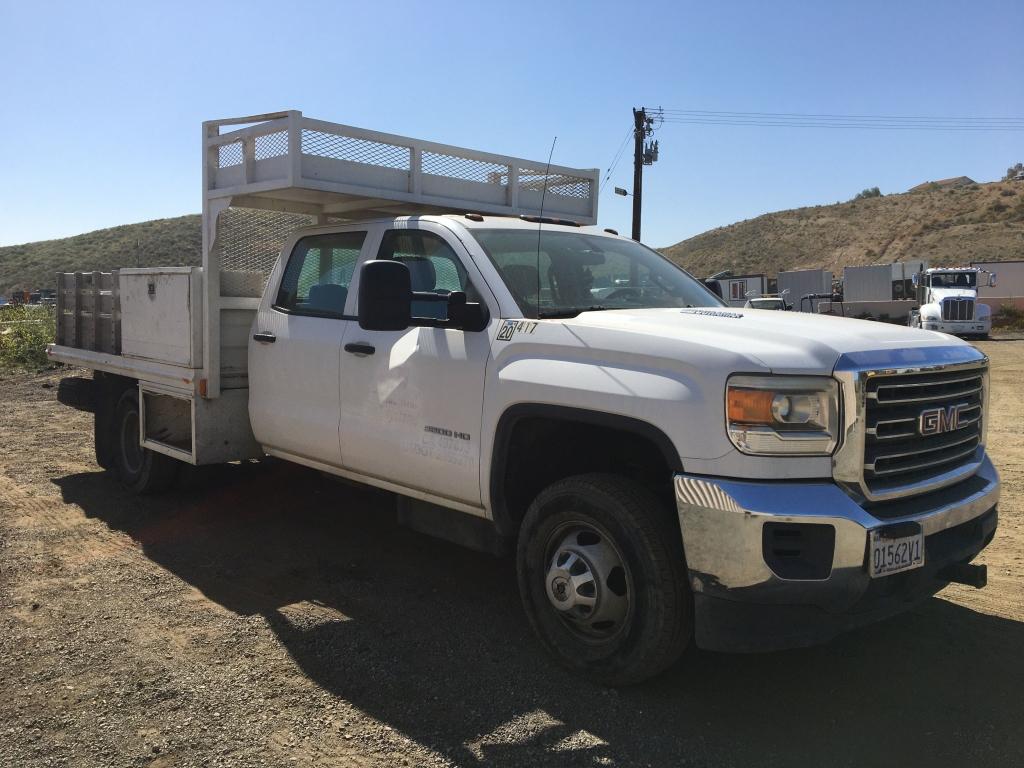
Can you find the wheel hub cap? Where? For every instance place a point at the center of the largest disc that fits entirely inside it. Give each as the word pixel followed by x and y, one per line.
pixel 587 583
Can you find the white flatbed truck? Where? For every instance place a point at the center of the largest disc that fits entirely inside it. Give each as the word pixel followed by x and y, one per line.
pixel 452 326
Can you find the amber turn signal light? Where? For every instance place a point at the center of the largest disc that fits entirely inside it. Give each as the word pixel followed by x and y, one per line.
pixel 749 406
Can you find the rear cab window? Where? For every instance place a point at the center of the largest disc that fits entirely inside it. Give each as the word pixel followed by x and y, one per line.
pixel 319 274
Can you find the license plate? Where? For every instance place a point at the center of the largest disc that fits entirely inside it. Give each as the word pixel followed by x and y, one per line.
pixel 892 554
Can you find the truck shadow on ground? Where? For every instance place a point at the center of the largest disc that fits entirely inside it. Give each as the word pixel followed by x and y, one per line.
pixel 435 644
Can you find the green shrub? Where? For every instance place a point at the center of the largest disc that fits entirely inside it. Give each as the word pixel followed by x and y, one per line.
pixel 864 194
pixel 1008 318
pixel 24 334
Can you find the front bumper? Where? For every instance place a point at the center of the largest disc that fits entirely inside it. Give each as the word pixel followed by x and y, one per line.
pixel 741 602
pixel 958 328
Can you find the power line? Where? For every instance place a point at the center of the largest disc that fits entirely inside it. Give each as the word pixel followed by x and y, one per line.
pixel 615 160
pixel 841 117
pixel 849 126
pixel 831 121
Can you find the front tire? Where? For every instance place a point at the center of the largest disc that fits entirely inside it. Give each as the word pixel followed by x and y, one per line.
pixel 140 469
pixel 603 579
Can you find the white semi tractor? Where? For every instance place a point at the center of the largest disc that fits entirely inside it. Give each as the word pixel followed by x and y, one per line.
pixel 948 299
pixel 450 325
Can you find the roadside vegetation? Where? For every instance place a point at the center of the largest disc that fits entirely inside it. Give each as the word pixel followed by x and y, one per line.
pixel 1008 318
pixel 24 333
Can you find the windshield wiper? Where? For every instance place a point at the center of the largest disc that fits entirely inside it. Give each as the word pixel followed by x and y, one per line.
pixel 571 311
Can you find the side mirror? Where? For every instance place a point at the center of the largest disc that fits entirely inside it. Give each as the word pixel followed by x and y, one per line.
pixel 916 279
pixel 467 315
pixel 714 287
pixel 992 279
pixel 385 296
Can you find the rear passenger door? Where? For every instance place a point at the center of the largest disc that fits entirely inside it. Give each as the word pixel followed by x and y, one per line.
pixel 294 353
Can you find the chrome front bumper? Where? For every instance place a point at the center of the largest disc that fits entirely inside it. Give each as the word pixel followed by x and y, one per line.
pixel 958 327
pixel 742 604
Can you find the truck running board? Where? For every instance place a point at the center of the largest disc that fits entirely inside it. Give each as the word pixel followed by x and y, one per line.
pixel 451 525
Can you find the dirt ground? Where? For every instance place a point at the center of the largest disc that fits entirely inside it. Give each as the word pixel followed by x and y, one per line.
pixel 266 616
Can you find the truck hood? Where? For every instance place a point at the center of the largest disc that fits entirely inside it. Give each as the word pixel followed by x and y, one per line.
pixel 938 294
pixel 784 342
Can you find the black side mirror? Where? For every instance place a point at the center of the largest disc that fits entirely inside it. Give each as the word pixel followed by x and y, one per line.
pixel 385 296
pixel 714 287
pixel 467 315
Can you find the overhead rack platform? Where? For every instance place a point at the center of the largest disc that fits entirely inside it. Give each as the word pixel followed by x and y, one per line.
pixel 286 162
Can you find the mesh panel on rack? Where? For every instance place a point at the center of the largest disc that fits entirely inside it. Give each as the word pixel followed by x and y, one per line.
pixel 557 183
pixel 355 150
pixel 229 154
pixel 272 145
pixel 454 167
pixel 248 244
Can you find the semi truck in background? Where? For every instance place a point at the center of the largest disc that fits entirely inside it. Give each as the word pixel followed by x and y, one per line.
pixel 948 299
pixel 452 326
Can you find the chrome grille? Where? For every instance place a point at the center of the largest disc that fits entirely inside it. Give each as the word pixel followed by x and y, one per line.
pixel 958 309
pixel 921 425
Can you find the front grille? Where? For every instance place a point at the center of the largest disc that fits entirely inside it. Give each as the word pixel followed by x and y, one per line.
pixel 921 425
pixel 958 309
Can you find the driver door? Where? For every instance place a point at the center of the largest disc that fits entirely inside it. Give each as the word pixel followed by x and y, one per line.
pixel 412 399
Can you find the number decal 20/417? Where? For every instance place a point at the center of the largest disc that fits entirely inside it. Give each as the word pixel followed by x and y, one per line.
pixel 512 327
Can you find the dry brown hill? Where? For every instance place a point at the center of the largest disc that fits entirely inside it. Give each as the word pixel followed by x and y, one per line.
pixel 955 226
pixel 157 243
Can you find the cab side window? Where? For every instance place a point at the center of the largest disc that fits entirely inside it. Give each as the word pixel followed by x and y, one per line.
pixel 319 273
pixel 433 266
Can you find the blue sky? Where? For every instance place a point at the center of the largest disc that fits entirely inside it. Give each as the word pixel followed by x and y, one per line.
pixel 102 102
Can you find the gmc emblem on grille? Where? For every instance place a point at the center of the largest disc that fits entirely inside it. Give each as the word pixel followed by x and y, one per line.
pixel 935 421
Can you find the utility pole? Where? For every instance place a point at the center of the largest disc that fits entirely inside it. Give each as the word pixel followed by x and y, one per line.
pixel 639 125
pixel 642 155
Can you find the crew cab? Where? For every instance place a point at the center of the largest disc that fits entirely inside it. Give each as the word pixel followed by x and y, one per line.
pixel 663 468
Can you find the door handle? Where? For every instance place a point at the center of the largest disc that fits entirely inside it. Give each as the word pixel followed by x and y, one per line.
pixel 360 348
pixel 266 338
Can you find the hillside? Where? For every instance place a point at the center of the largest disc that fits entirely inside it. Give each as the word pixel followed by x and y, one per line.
pixel 983 221
pixel 163 242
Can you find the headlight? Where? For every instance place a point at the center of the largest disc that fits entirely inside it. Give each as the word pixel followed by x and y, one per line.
pixel 787 415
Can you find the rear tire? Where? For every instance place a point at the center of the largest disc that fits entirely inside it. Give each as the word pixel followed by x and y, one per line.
pixel 140 469
pixel 603 579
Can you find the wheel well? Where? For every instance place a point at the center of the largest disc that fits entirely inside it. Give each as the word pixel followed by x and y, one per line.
pixel 536 446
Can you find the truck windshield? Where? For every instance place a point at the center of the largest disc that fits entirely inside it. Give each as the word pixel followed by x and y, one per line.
pixel 577 272
pixel 953 279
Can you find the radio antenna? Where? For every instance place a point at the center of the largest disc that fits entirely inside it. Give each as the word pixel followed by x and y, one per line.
pixel 540 219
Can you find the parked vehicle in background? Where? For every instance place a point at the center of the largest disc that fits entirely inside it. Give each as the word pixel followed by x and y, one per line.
pixel 948 299
pixel 773 302
pixel 450 325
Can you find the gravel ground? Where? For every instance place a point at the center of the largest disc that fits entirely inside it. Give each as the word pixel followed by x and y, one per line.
pixel 266 616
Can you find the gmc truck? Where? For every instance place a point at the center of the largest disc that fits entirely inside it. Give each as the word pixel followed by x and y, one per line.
pixel 452 326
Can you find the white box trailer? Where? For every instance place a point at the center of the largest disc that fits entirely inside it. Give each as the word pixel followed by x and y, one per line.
pixel 183 332
pixel 802 282
pixel 1009 288
pixel 868 283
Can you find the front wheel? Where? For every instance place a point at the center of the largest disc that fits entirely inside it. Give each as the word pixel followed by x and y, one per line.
pixel 602 578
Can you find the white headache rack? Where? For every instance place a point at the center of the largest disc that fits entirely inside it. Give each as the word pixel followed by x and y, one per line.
pixel 284 161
